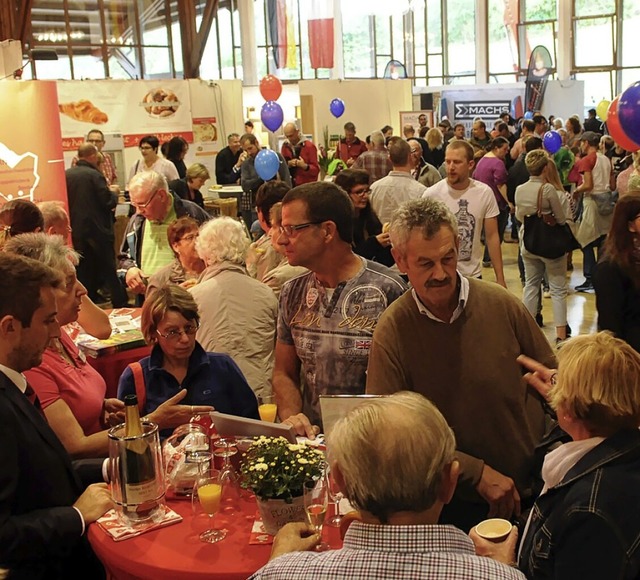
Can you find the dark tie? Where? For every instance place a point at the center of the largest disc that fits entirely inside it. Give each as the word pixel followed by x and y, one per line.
pixel 33 398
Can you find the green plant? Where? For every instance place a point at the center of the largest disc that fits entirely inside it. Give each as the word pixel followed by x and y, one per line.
pixel 273 468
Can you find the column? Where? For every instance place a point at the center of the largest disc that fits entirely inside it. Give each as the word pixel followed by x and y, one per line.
pixel 248 43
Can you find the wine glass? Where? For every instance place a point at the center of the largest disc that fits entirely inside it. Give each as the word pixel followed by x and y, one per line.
pixel 268 409
pixel 225 448
pixel 208 493
pixel 335 494
pixel 316 498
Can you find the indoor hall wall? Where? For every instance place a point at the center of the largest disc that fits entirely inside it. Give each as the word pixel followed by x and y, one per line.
pixel 369 104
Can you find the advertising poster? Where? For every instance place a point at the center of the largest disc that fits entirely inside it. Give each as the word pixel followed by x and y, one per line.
pixel 31 164
pixel 133 109
pixel 411 118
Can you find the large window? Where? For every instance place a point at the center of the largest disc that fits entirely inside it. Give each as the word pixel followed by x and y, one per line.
pixel 222 58
pixel 97 39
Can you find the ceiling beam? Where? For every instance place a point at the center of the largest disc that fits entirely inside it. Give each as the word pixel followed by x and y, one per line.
pixel 194 40
pixel 23 20
pixel 8 15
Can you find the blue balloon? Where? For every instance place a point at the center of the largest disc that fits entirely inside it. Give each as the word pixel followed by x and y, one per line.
pixel 337 107
pixel 271 115
pixel 267 164
pixel 528 115
pixel 629 112
pixel 552 141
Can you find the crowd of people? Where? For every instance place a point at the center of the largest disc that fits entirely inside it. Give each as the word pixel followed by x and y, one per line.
pixel 369 281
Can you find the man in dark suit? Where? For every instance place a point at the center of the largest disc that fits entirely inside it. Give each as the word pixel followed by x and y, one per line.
pixel 43 510
pixel 91 205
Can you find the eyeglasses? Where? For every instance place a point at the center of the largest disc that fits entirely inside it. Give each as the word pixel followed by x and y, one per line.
pixel 174 335
pixel 145 147
pixel 95 140
pixel 363 192
pixel 292 231
pixel 146 203
pixel 189 237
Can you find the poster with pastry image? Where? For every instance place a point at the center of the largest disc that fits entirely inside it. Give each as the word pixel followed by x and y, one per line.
pixel 159 106
pixel 85 105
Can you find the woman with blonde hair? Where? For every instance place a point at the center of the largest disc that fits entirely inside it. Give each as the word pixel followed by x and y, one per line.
pixel 538 164
pixel 586 521
pixel 435 150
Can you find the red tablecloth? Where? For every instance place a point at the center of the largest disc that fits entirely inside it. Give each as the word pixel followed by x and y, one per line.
pixel 110 366
pixel 176 552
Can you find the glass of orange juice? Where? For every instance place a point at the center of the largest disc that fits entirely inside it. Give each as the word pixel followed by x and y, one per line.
pixel 208 493
pixel 267 408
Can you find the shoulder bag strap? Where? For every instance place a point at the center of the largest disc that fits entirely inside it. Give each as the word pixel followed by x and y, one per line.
pixel 138 381
pixel 540 200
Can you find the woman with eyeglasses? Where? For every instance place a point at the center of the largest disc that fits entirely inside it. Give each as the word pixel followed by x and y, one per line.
pixel 151 161
pixel 617 275
pixel 369 241
pixel 187 265
pixel 179 366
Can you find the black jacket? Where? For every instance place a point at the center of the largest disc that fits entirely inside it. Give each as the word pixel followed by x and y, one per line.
pixel 225 162
pixel 181 188
pixel 90 205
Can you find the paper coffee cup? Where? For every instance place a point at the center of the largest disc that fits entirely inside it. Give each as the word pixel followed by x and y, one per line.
pixel 494 530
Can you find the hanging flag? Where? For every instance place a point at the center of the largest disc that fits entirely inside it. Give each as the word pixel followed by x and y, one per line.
pixel 540 67
pixel 281 33
pixel 321 33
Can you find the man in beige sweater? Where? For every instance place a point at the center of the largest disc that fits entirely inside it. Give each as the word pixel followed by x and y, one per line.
pixel 455 340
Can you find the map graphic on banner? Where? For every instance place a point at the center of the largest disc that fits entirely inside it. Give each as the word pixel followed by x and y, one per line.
pixel 18 174
pixel 31 164
pixel 133 109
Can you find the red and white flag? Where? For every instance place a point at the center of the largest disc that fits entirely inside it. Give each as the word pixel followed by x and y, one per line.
pixel 321 33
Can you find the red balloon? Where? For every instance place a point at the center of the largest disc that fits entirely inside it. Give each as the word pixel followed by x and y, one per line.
pixel 270 88
pixel 615 129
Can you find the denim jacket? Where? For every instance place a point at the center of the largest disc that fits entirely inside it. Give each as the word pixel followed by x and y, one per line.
pixel 588 526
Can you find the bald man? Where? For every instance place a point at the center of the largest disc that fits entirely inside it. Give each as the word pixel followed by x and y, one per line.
pixel 301 156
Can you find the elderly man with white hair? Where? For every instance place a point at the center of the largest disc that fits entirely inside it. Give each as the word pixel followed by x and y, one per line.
pixel 399 479
pixel 145 248
pixel 237 313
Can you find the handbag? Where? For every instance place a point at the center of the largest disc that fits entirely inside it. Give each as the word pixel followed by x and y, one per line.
pixel 544 237
pixel 604 202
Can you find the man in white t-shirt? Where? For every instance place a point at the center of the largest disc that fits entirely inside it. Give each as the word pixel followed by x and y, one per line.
pixel 474 205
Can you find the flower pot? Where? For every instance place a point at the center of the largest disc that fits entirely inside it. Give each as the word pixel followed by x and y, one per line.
pixel 275 513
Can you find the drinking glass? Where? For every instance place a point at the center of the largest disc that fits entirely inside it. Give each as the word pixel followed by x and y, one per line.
pixel 268 409
pixel 208 491
pixel 335 496
pixel 316 498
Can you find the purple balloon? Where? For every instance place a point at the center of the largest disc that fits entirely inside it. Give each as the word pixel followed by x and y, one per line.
pixel 629 112
pixel 552 141
pixel 271 115
pixel 267 164
pixel 337 107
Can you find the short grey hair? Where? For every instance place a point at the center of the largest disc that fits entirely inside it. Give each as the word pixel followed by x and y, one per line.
pixel 50 250
pixel 223 239
pixel 377 138
pixel 148 182
pixel 415 454
pixel 53 212
pixel 427 214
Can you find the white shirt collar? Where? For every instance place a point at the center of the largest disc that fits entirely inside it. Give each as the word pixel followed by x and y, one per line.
pixel 463 296
pixel 15 377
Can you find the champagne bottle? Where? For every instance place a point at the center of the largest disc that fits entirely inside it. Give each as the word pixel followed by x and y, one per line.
pixel 139 486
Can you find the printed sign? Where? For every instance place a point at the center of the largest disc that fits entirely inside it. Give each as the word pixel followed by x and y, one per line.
pixel 485 110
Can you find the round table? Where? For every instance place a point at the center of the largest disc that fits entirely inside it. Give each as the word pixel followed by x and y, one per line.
pixel 176 552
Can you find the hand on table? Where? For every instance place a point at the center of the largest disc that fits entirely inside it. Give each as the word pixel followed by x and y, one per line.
pixel 504 551
pixel 302 425
pixel 171 414
pixel 539 377
pixel 500 493
pixel 94 502
pixel 294 537
pixel 135 279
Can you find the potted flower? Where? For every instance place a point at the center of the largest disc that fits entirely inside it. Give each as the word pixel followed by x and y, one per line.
pixel 275 471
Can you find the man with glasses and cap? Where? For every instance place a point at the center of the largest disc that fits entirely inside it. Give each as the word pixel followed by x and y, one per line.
pixel 145 247
pixel 326 317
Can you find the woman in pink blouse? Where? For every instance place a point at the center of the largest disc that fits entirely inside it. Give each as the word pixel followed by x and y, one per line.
pixel 71 392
